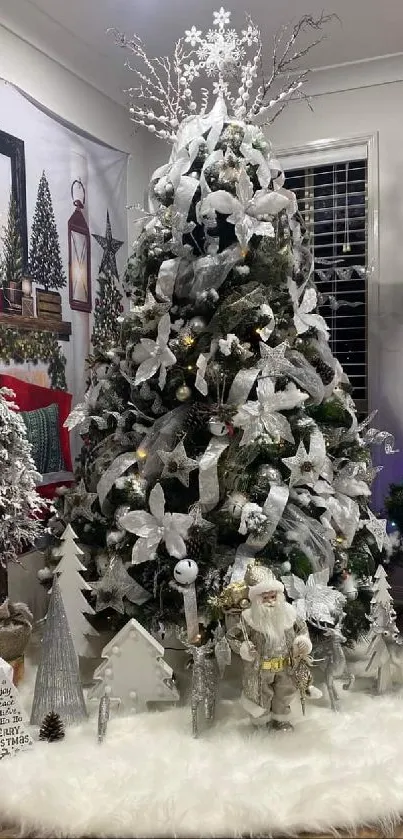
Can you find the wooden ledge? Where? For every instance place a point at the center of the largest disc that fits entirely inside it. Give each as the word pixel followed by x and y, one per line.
pixel 59 327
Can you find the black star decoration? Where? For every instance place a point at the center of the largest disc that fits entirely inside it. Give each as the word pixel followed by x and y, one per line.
pixel 110 248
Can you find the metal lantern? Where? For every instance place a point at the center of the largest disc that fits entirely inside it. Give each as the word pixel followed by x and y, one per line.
pixel 79 253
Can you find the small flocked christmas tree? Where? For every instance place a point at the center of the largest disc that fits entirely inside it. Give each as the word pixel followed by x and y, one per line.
pixel 19 501
pixel 12 255
pixel 108 302
pixel 72 585
pixel 134 672
pixel 45 263
pixel 222 421
pixel 384 634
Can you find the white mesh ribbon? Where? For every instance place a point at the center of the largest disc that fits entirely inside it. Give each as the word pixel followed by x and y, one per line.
pixel 209 489
pixel 273 509
pixel 115 470
pixel 191 615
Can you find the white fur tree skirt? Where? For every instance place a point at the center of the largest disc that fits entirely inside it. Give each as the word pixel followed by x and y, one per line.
pixel 149 778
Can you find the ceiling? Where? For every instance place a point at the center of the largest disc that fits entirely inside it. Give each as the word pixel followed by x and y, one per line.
pixel 73 32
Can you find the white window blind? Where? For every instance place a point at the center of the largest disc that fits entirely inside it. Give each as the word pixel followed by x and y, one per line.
pixel 333 201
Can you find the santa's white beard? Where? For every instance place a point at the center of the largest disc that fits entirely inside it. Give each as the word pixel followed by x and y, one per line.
pixel 272 620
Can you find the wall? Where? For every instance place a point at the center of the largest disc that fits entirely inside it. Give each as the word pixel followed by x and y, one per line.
pixel 80 105
pixel 356 100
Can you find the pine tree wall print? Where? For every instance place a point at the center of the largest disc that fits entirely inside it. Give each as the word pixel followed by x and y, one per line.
pixel 57 685
pixel 45 262
pixel 108 302
pixel 14 736
pixel 71 586
pixel 12 260
pixel 134 672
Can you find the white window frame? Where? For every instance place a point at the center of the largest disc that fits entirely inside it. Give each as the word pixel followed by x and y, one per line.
pixel 341 150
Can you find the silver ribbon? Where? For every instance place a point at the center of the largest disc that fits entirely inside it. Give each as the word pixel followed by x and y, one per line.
pixel 242 386
pixel 184 195
pixel 116 469
pixel 311 536
pixel 166 278
pixel 161 436
pixel 191 616
pixel 209 489
pixel 273 508
pixel 305 376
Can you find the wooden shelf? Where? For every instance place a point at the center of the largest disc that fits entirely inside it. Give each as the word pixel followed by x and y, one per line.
pixel 59 327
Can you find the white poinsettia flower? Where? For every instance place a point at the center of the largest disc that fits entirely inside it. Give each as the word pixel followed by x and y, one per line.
pixel 155 527
pixel 303 317
pixel 154 355
pixel 263 416
pixel 247 209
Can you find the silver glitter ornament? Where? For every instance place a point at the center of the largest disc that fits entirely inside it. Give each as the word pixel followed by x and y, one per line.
pixel 57 685
pixel 103 716
pixel 183 393
pixel 197 324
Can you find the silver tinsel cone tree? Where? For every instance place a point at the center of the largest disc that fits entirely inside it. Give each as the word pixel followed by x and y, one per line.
pixel 19 502
pixel 45 262
pixel 57 684
pixel 221 427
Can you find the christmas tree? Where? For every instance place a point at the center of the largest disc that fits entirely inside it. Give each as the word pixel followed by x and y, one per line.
pixel 221 428
pixel 57 684
pixel 108 302
pixel 384 634
pixel 45 263
pixel 134 671
pixel 19 502
pixel 71 586
pixel 12 258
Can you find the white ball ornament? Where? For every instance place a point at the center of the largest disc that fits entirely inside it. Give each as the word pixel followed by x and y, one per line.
pixel 217 428
pixel 286 567
pixel 186 571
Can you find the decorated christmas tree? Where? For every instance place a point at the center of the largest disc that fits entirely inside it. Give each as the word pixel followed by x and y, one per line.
pixel 221 428
pixel 108 302
pixel 72 585
pixel 19 502
pixel 45 263
pixel 134 671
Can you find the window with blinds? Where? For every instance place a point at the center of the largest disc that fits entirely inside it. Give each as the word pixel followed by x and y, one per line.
pixel 333 201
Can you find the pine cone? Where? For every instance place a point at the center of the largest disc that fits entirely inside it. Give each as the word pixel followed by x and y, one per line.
pixel 196 417
pixel 195 543
pixel 325 372
pixel 52 728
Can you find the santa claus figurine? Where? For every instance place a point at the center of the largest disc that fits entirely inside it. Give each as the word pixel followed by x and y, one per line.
pixel 270 639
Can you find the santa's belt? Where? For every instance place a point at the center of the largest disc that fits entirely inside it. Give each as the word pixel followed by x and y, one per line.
pixel 276 663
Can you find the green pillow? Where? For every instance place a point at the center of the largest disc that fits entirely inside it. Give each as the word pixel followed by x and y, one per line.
pixel 43 434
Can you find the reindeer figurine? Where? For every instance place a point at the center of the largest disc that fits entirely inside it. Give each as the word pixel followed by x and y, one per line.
pixel 208 661
pixel 329 658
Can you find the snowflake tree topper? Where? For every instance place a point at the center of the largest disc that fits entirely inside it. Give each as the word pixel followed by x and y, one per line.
pixel 168 87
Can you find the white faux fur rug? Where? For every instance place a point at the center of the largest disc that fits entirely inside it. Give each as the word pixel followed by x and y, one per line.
pixel 151 779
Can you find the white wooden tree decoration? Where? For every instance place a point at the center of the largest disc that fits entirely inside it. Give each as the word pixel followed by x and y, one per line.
pixel 384 634
pixel 134 672
pixel 57 684
pixel 14 736
pixel 72 585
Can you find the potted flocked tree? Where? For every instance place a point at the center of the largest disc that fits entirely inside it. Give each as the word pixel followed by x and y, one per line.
pixel 45 265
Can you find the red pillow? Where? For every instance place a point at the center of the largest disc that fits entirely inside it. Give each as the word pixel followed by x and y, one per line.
pixel 28 397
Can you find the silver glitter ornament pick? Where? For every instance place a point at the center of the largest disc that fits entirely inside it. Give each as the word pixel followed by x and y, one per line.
pixel 103 716
pixel 57 685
